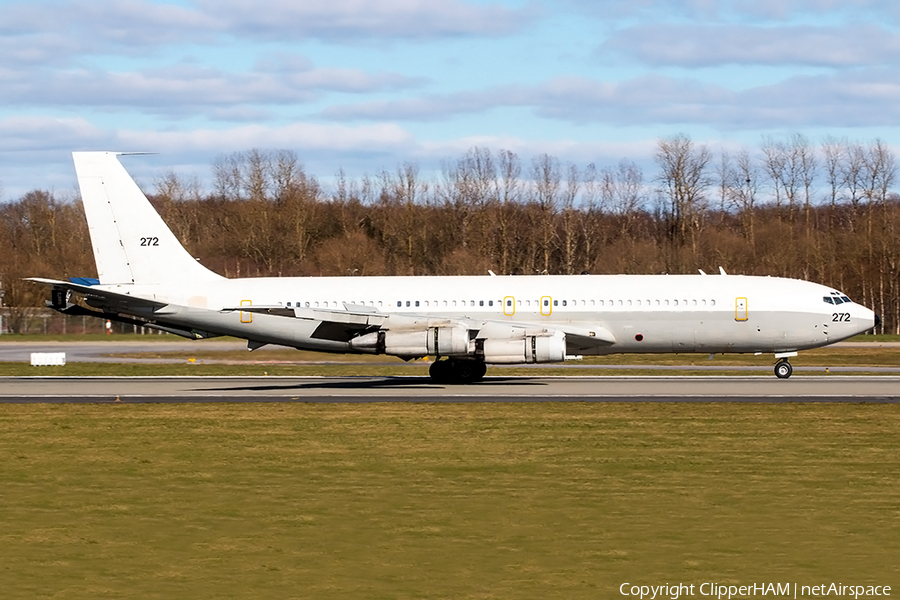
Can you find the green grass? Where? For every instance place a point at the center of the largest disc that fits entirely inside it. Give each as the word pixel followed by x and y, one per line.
pixel 442 501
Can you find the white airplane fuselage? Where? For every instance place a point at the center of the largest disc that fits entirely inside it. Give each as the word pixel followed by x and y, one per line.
pixel 644 313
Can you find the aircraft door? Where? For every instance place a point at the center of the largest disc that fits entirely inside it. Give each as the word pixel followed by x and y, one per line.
pixel 740 309
pixel 509 306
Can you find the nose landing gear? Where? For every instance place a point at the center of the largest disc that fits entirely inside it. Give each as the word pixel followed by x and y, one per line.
pixel 783 369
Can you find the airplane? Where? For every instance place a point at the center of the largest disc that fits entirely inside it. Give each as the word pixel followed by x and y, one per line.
pixel 147 278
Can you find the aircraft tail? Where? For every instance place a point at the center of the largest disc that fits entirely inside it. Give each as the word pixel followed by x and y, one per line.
pixel 131 242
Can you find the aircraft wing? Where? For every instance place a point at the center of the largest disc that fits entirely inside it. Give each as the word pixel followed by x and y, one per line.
pixel 341 325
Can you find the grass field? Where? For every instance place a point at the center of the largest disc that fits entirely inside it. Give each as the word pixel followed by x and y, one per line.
pixel 442 501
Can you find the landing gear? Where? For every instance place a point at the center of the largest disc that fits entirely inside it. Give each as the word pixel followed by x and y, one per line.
pixel 783 369
pixel 457 371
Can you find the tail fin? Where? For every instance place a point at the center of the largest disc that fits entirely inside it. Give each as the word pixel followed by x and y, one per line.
pixel 131 242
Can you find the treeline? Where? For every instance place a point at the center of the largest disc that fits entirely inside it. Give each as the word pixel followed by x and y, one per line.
pixel 822 212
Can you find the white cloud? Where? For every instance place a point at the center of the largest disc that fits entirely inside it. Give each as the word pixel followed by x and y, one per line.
pixel 860 98
pixel 305 136
pixel 57 32
pixel 186 89
pixel 731 10
pixel 39 133
pixel 348 20
pixel 710 45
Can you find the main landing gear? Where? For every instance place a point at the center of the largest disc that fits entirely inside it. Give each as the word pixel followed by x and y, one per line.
pixel 783 369
pixel 457 371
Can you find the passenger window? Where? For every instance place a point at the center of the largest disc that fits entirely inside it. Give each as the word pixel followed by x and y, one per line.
pixel 417 303
pixel 546 303
pixel 564 303
pixel 481 303
pixel 509 302
pixel 490 302
pixel 407 303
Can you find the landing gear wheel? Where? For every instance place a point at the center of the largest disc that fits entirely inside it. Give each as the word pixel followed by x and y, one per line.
pixel 480 370
pixel 457 371
pixel 783 369
pixel 465 371
pixel 441 371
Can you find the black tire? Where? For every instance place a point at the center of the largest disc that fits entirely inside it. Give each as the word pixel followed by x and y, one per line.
pixel 783 369
pixel 441 371
pixel 465 371
pixel 480 370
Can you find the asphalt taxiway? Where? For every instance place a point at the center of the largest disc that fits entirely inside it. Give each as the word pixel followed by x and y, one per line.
pixel 872 389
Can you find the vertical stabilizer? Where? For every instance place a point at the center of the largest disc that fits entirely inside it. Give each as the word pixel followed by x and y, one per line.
pixel 131 242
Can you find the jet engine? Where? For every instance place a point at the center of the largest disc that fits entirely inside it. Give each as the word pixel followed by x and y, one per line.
pixel 434 341
pixel 545 347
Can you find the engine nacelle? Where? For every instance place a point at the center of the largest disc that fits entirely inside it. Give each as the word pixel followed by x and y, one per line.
pixel 550 347
pixel 432 341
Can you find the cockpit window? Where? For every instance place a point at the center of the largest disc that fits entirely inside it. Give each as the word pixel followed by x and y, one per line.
pixel 828 300
pixel 837 300
pixel 845 298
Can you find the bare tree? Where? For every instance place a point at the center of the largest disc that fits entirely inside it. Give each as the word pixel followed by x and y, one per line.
pixel 510 172
pixel 573 182
pixel 547 179
pixel 744 187
pixel 684 182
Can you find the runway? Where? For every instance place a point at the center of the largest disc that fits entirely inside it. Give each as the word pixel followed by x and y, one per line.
pixel 767 389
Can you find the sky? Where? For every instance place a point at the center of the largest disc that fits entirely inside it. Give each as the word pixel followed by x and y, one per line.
pixel 366 86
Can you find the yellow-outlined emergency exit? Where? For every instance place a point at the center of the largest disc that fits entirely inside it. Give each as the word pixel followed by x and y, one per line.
pixel 546 306
pixel 740 309
pixel 509 306
pixel 246 317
